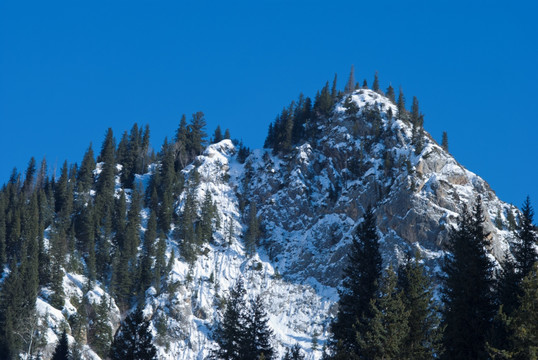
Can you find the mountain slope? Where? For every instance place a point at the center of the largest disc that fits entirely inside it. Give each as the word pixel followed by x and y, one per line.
pixel 308 201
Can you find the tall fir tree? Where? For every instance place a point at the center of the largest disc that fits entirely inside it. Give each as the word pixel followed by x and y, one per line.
pixel 360 285
pixel 375 85
pixel 258 333
pixel 391 95
pixel 253 231
pixel 230 334
pixel 525 253
pixel 133 341
pixel 383 336
pixel 467 290
pixel 350 85
pixel 61 351
pixel 444 141
pixel 423 338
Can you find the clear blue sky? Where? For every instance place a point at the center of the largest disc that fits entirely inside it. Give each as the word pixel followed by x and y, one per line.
pixel 71 69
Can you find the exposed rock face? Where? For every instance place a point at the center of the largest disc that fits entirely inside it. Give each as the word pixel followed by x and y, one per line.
pixel 311 199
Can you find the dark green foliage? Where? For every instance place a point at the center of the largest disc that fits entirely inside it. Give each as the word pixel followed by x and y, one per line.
pixel 242 153
pixel 227 134
pixel 383 336
pixel 243 333
pixel 391 95
pixel 205 228
pixel 375 85
pixel 230 334
pixel 467 292
pixel 189 244
pixel 258 333
pixel 524 323
pixel 61 351
pixel 294 353
pixel 524 248
pixel 350 85
pixel 182 157
pixel 148 252
pixel 359 287
pixel 253 231
pixel 196 140
pixel 133 341
pixel 444 142
pixel 100 332
pixel 402 112
pixel 423 337
pixel 217 135
pixel 323 103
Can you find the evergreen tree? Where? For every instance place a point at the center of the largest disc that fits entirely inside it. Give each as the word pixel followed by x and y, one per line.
pixel 524 323
pixel 402 113
pixel 253 232
pixel 100 332
pixel 350 85
pixel 180 145
pixel 205 229
pixel 391 95
pixel 383 337
pixel 467 291
pixel 227 134
pixel 294 353
pixel 422 340
pixel 133 341
pixel 360 286
pixel 61 351
pixel 217 135
pixel 444 142
pixel 230 334
pixel 258 333
pixel 525 252
pixel 323 103
pixel 197 135
pixel 375 85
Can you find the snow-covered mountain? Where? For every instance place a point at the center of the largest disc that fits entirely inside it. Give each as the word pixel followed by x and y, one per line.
pixel 308 201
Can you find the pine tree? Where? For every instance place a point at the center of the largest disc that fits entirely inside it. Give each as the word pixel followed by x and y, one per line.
pixel 444 142
pixel 258 333
pixel 227 134
pixel 100 332
pixel 133 341
pixel 230 334
pixel 525 252
pixel 391 95
pixel 294 353
pixel 402 112
pixel 375 85
pixel 180 145
pixel 197 135
pixel 383 337
pixel 208 214
pixel 422 340
pixel 524 323
pixel 360 286
pixel 253 232
pixel 467 291
pixel 217 135
pixel 350 85
pixel 61 351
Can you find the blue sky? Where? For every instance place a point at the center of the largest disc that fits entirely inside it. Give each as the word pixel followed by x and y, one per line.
pixel 71 69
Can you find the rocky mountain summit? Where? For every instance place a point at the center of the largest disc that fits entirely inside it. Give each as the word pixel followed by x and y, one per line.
pixel 308 202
